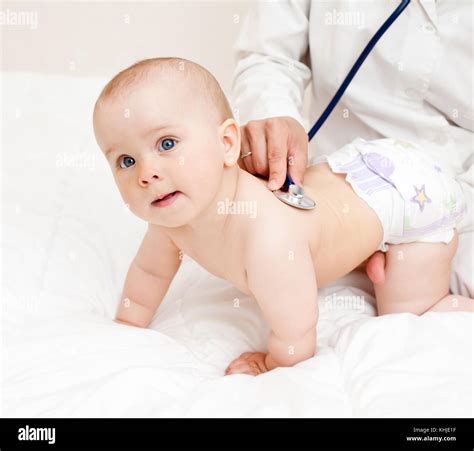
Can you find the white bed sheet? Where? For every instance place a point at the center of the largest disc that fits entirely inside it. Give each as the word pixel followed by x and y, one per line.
pixel 66 244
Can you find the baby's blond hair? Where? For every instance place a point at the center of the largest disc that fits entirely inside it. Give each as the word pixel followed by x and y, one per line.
pixel 206 83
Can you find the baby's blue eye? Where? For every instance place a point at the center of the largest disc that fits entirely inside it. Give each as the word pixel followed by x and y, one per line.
pixel 167 144
pixel 125 159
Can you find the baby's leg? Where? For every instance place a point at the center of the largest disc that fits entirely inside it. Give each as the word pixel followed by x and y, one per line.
pixel 417 279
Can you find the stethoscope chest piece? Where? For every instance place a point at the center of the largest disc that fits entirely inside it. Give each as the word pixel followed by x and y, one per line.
pixel 294 195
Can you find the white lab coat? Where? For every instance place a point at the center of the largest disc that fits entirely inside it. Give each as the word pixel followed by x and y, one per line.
pixel 416 84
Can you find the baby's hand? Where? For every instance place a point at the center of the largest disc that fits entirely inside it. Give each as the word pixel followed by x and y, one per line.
pixel 252 363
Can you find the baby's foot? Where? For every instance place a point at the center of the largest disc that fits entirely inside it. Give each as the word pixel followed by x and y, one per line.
pixel 376 268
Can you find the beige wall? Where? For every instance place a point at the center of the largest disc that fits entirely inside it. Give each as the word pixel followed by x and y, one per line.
pixel 102 37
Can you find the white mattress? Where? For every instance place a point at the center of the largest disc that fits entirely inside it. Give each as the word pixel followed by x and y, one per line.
pixel 67 242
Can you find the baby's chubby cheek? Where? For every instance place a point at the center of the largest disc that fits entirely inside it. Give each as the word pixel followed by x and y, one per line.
pixel 203 175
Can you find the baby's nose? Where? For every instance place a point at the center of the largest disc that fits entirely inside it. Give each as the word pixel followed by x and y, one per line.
pixel 147 174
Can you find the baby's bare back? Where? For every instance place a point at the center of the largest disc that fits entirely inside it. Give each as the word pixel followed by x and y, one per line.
pixel 350 231
pixel 341 232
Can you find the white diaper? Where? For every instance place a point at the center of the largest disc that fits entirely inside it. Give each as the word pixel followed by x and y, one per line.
pixel 413 197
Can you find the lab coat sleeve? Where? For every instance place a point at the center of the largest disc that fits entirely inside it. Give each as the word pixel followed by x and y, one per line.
pixel 270 76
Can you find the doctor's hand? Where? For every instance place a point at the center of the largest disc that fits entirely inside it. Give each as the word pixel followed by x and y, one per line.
pixel 275 144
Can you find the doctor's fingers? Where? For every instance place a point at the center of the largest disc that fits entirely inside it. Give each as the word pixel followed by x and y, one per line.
pixel 298 156
pixel 275 143
pixel 278 136
pixel 255 135
pixel 246 162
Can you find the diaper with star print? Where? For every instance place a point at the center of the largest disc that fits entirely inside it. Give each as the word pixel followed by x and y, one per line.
pixel 414 198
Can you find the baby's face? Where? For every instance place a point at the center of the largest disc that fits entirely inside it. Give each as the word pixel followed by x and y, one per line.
pixel 159 140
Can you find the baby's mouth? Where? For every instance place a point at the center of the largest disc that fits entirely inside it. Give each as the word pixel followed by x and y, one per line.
pixel 163 199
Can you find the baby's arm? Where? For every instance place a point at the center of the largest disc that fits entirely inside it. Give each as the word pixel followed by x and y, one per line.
pixel 148 278
pixel 281 276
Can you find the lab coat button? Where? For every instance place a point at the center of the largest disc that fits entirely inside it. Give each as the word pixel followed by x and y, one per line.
pixel 428 28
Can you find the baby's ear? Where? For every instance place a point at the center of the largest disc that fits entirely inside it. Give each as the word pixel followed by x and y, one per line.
pixel 229 136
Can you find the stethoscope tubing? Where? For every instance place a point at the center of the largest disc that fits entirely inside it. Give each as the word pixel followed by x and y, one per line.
pixel 347 81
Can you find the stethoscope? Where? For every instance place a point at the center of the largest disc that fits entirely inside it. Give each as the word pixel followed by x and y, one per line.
pixel 294 195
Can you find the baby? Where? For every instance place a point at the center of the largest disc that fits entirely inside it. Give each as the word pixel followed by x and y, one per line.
pixel 169 135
